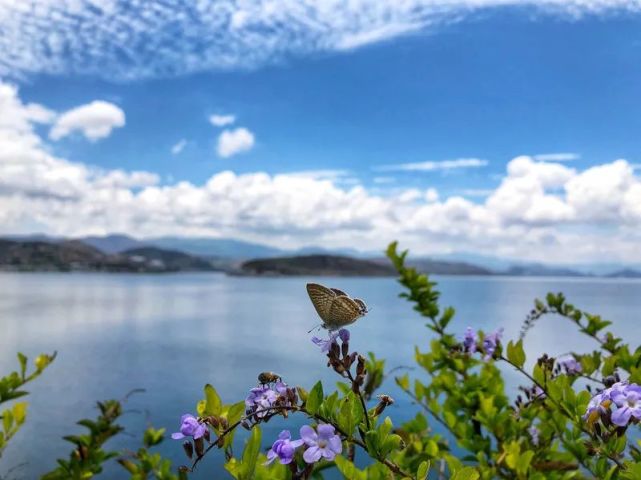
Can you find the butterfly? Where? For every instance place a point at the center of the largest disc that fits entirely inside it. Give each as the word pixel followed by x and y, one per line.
pixel 335 307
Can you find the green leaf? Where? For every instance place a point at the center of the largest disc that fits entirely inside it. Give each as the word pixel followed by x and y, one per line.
pixel 213 404
pixel 314 398
pixel 250 455
pixel 423 470
pixel 348 470
pixel 467 473
pixel 515 353
pixel 23 365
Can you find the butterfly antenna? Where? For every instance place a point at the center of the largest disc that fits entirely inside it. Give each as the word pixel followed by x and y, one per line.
pixel 314 328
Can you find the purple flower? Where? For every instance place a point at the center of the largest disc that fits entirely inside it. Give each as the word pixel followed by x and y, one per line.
pixel 260 398
pixel 189 427
pixel 534 434
pixel 571 365
pixel 344 334
pixel 326 344
pixel 596 404
pixel 538 393
pixel 490 342
pixel 283 448
pixel 628 402
pixel 627 398
pixel 324 444
pixel 469 340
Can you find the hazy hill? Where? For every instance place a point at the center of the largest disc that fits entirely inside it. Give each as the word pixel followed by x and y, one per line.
pixel 330 265
pixel 73 255
pixel 441 267
pixel 168 259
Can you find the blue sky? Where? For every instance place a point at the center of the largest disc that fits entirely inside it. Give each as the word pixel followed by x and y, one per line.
pixel 465 89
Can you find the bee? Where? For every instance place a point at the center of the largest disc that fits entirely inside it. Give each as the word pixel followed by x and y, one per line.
pixel 268 377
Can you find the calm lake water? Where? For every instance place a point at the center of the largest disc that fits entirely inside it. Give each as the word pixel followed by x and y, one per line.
pixel 171 334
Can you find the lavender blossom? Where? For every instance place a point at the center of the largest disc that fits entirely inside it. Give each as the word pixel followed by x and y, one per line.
pixel 343 333
pixel 571 365
pixel 260 398
pixel 324 444
pixel 490 342
pixel 534 434
pixel 469 341
pixel 628 402
pixel 284 448
pixel 189 427
pixel 325 345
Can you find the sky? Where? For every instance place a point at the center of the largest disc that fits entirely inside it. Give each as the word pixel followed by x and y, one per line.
pixel 508 128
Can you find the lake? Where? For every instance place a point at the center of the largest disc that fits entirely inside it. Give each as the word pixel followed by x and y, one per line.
pixel 171 334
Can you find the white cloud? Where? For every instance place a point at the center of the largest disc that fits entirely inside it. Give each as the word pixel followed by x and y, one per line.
pixel 233 142
pixel 540 211
pixel 556 157
pixel 178 147
pixel 95 120
pixel 222 120
pixel 128 40
pixel 431 166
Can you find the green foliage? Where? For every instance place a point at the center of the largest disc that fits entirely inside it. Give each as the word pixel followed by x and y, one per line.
pixel 11 389
pixel 88 456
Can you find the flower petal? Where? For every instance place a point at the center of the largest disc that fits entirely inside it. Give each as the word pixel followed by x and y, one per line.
pixel 285 435
pixel 335 444
pixel 621 416
pixel 312 454
pixel 325 431
pixel 177 436
pixel 308 435
pixel 328 453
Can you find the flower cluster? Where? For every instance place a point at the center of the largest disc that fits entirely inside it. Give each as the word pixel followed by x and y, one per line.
pixel 264 397
pixel 488 345
pixel 319 443
pixel 625 396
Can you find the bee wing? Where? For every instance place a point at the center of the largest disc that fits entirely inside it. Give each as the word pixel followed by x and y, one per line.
pixel 322 298
pixel 343 311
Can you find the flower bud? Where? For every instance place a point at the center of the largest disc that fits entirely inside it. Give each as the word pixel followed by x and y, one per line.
pixel 360 366
pixel 189 449
pixel 199 445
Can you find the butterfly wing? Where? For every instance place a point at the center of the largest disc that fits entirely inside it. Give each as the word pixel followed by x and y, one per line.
pixel 343 311
pixel 322 298
pixel 338 292
pixel 361 305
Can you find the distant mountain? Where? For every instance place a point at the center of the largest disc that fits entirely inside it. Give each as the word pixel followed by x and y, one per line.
pixel 72 255
pixel 169 259
pixel 39 255
pixel 536 270
pixel 113 243
pixel 440 267
pixel 625 273
pixel 216 247
pixel 324 265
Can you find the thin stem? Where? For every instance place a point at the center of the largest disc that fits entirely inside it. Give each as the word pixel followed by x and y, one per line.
pixel 360 396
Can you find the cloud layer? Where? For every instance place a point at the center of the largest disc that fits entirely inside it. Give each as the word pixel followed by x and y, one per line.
pixel 540 211
pixel 129 39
